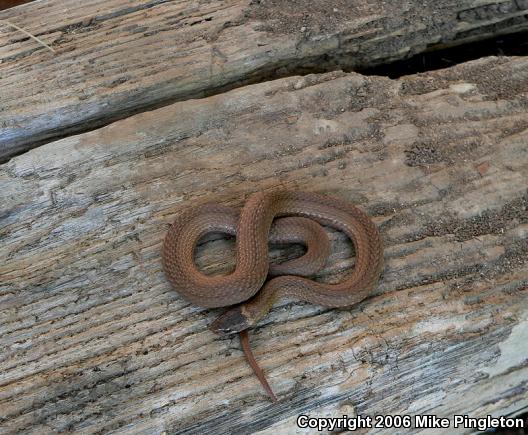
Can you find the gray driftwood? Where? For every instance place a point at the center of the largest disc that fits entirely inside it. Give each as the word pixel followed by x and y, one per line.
pixel 116 57
pixel 93 339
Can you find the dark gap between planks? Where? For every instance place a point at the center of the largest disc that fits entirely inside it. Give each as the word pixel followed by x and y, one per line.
pixel 434 58
pixel 505 45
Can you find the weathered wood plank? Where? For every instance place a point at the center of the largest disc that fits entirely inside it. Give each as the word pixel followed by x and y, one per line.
pixel 94 340
pixel 117 57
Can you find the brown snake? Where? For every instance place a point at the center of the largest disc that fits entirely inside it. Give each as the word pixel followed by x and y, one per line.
pixel 262 220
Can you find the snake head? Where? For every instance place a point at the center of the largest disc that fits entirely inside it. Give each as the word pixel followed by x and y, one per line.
pixel 231 322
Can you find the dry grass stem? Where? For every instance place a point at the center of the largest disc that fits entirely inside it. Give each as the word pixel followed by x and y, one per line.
pixel 25 32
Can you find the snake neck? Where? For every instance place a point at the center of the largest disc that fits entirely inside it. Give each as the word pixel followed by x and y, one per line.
pixel 246 315
pixel 231 322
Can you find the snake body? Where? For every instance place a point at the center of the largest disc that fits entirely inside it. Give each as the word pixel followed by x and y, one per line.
pixel 280 217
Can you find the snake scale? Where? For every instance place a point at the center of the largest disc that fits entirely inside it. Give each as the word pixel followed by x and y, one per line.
pixel 252 288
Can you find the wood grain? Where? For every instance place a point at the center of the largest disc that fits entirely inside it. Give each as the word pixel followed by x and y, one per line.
pixel 94 340
pixel 117 57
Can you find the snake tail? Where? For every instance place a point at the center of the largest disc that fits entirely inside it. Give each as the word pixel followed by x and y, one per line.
pixel 246 347
pixel 235 320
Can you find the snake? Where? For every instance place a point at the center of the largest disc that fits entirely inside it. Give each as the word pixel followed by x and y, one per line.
pixel 252 288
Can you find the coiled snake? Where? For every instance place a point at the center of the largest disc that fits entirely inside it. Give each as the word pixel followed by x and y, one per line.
pixel 279 217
